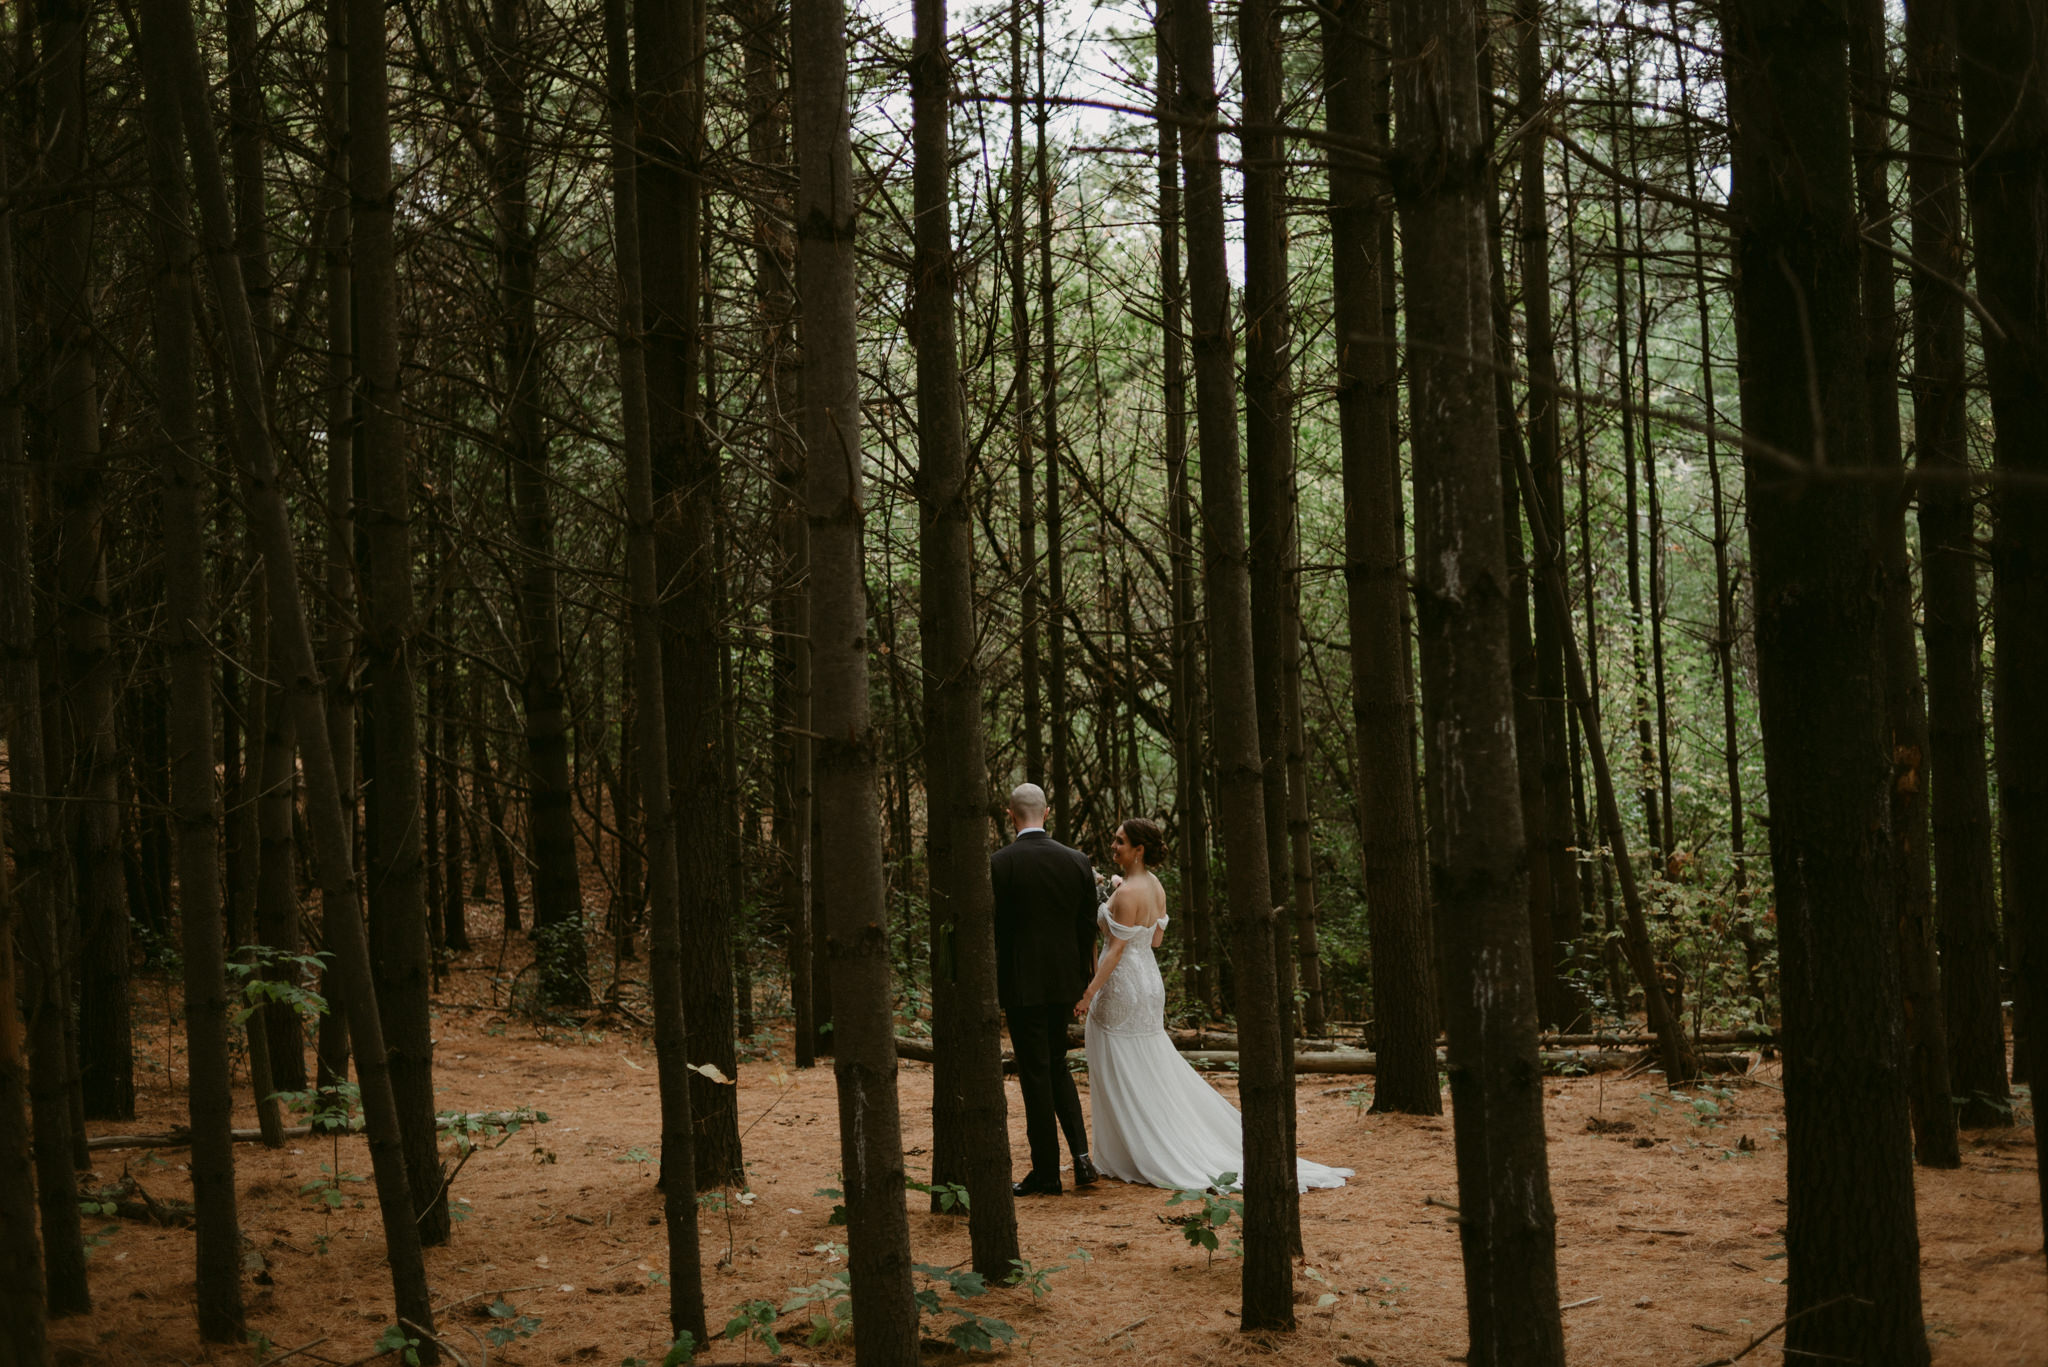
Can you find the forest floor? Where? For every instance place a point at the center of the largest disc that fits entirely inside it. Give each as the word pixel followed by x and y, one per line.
pixel 1670 1219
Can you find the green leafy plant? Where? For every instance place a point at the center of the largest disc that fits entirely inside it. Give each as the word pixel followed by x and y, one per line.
pixel 838 1199
pixel 104 1232
pixel 680 1353
pixel 255 971
pixel 508 1325
pixel 972 1332
pixel 828 1304
pixel 755 1319
pixel 1038 1280
pixel 1217 1206
pixel 469 1129
pixel 326 1109
pixel 394 1339
pixel 328 1187
pixel 952 1195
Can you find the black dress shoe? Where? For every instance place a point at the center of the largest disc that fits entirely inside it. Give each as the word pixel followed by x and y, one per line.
pixel 1034 1185
pixel 1084 1172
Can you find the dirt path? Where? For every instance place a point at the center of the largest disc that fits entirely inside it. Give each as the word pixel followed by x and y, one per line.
pixel 1669 1229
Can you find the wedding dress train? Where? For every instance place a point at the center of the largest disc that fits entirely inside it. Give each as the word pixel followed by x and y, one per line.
pixel 1156 1121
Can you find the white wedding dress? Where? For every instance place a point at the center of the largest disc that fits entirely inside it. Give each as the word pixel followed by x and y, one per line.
pixel 1156 1121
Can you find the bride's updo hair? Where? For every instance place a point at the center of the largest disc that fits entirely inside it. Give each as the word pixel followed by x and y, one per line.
pixel 1144 833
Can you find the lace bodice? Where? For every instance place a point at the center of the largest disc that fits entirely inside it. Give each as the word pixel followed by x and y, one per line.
pixel 1133 1001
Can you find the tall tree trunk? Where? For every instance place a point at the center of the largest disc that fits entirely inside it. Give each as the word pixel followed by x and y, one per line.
pixel 551 814
pixel 1965 888
pixel 850 850
pixel 1198 969
pixel 337 653
pixel 38 871
pixel 210 1097
pixel 774 285
pixel 1933 1110
pixel 1269 1178
pixel 23 1305
pixel 1554 847
pixel 271 539
pixel 31 894
pixel 2004 48
pixel 1022 386
pixel 1065 819
pixel 85 661
pixel 664 880
pixel 1521 642
pixel 1397 912
pixel 1269 472
pixel 396 876
pixel 670 34
pixel 1854 1283
pixel 968 1106
pixel 1440 170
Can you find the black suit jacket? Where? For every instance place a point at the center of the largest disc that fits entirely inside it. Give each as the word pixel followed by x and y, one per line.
pixel 1045 922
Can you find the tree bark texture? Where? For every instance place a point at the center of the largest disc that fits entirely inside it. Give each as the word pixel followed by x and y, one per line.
pixel 1272 497
pixel 24 1309
pixel 670 34
pixel 38 873
pixel 650 751
pixel 1932 1109
pixel 1554 848
pixel 774 286
pixel 1440 168
pixel 1397 913
pixel 1819 573
pixel 522 433
pixel 1198 966
pixel 1965 885
pixel 2003 46
pixel 271 538
pixel 1064 818
pixel 850 846
pixel 395 873
pixel 85 662
pixel 970 1126
pixel 1268 1298
pixel 194 805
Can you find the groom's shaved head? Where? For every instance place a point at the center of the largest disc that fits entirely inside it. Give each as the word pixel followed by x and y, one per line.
pixel 1027 802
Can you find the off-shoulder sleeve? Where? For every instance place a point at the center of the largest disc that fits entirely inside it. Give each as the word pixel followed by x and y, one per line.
pixel 1124 932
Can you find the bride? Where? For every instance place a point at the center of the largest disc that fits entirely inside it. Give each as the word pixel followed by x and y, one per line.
pixel 1156 1121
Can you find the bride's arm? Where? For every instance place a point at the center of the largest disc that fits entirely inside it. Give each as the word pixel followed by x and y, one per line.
pixel 1105 964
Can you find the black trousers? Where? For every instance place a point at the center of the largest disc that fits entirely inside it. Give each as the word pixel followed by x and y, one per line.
pixel 1051 1102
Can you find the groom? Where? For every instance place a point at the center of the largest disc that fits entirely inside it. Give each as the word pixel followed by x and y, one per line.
pixel 1045 941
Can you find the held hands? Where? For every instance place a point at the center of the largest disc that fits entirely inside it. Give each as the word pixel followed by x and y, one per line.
pixel 1081 1006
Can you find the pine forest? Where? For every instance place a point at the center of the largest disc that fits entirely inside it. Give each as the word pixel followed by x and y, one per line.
pixel 553 553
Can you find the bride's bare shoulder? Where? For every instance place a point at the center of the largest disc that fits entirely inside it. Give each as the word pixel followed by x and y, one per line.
pixel 1143 901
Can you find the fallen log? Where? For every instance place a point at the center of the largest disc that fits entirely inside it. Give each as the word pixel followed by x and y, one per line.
pixel 179 1136
pixel 1189 1040
pixel 1360 1062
